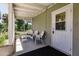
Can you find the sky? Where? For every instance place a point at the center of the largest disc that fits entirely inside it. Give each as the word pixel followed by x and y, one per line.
pixel 3 9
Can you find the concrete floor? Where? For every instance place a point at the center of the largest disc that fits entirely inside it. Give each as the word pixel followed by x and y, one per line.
pixel 26 45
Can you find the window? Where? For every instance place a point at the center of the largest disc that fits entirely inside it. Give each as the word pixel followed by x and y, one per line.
pixel 60 21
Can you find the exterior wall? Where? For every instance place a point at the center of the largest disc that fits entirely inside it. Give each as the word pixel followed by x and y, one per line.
pixel 76 29
pixel 43 21
pixel 6 50
pixel 39 22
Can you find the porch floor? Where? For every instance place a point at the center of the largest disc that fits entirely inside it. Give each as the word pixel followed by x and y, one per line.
pixel 45 51
pixel 27 45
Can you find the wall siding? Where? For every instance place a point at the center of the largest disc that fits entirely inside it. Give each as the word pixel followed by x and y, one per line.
pixel 43 21
pixel 76 29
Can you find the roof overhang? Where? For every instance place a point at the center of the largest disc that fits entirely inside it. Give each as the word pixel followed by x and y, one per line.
pixel 29 10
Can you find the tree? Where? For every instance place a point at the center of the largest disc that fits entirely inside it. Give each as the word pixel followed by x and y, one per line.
pixel 5 18
pixel 1 27
pixel 26 26
pixel 5 22
pixel 19 23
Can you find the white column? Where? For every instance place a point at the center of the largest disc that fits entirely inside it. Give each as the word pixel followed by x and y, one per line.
pixel 11 24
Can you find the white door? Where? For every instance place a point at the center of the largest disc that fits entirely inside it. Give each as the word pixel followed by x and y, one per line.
pixel 62 31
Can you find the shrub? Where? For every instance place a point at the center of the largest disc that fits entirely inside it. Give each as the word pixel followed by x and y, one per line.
pixel 3 37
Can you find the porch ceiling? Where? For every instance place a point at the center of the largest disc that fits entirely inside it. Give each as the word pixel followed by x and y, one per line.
pixel 29 10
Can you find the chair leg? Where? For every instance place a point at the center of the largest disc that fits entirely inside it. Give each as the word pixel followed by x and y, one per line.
pixel 42 41
pixel 35 41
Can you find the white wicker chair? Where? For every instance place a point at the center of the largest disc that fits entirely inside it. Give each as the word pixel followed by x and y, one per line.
pixel 33 35
pixel 40 37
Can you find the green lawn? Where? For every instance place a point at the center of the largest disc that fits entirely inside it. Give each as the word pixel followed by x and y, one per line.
pixel 3 37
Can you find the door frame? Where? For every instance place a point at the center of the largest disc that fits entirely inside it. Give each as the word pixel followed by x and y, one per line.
pixel 64 7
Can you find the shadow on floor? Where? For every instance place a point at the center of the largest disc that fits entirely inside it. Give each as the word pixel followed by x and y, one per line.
pixel 45 51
